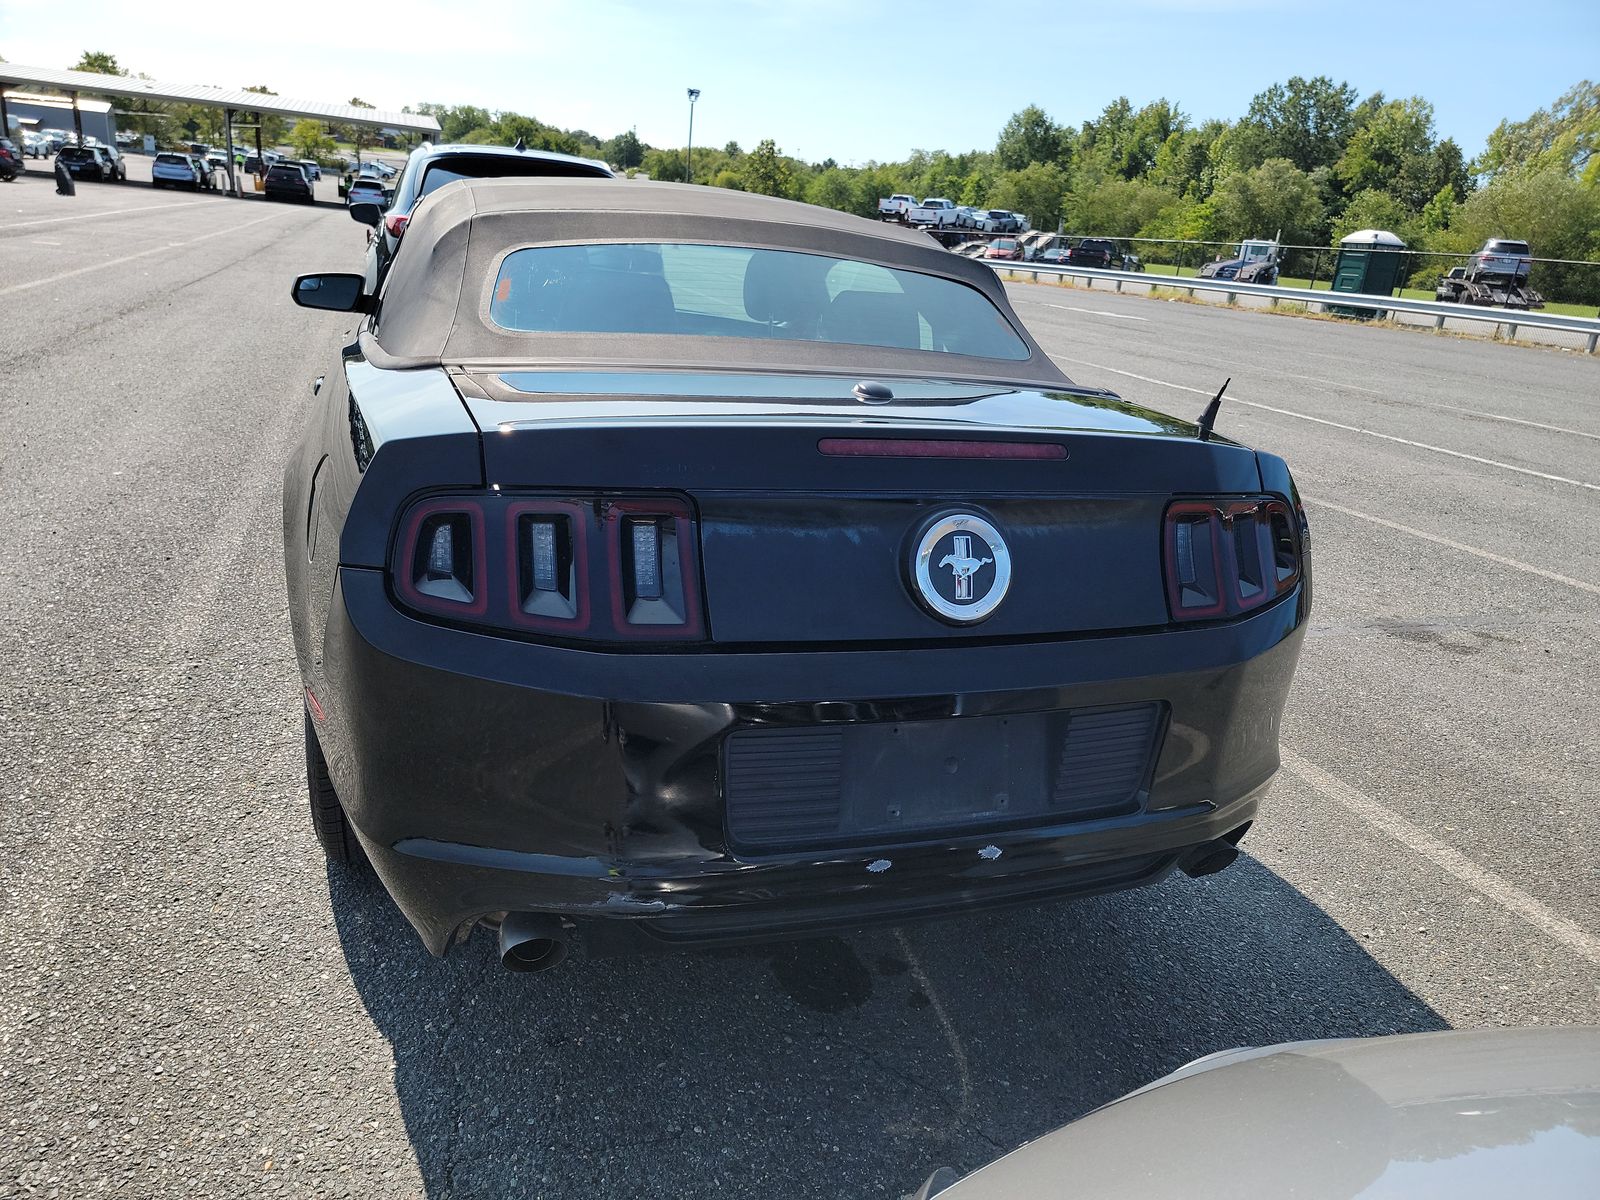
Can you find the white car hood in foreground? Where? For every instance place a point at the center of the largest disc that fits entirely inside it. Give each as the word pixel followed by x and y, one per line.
pixel 1464 1115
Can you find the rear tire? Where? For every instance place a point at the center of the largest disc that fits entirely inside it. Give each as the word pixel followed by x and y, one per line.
pixel 338 840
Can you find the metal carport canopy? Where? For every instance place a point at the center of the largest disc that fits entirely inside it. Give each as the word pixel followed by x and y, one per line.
pixel 131 87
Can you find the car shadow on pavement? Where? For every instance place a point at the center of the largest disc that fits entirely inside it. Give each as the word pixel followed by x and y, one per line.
pixel 843 1066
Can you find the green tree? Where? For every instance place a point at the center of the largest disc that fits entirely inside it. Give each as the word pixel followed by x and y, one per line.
pixel 99 62
pixel 456 121
pixel 625 150
pixel 1563 137
pixel 1376 209
pixel 1118 208
pixel 1030 136
pixel 1151 128
pixel 1275 199
pixel 1307 121
pixel 667 165
pixel 733 150
pixel 832 189
pixel 310 140
pixel 1438 212
pixel 1036 191
pixel 1394 152
pixel 1183 163
pixel 766 171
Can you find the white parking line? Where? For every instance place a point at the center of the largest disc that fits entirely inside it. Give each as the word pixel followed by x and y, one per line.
pixel 117 262
pixel 110 212
pixel 1581 584
pixel 1387 437
pixel 1481 880
pixel 1094 312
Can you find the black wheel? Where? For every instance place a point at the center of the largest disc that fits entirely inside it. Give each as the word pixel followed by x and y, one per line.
pixel 327 814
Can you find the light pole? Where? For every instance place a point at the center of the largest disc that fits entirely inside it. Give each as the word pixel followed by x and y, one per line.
pixel 694 94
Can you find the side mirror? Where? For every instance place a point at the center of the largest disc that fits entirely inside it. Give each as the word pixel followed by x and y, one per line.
pixel 367 213
pixel 336 293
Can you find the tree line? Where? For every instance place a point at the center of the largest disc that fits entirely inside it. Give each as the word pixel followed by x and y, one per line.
pixel 1309 161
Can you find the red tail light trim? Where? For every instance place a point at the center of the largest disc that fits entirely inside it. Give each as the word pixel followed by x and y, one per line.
pixel 616 518
pixel 577 518
pixel 1207 514
pixel 404 573
pixel 396 223
pixel 1258 536
pixel 592 600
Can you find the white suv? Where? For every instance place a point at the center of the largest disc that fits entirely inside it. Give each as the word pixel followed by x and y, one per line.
pixel 1501 258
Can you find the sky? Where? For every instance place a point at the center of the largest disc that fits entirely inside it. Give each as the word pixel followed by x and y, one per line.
pixel 843 79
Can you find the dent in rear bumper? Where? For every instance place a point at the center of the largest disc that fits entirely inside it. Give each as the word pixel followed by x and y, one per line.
pixel 485 775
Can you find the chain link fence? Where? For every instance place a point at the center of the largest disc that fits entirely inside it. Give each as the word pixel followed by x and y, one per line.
pixel 1561 281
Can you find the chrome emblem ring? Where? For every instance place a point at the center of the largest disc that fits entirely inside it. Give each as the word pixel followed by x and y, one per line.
pixel 961 568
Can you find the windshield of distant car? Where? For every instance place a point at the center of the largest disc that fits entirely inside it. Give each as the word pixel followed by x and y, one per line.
pixel 732 291
pixel 77 153
pixel 174 160
pixel 286 173
pixel 496 166
pixel 1508 247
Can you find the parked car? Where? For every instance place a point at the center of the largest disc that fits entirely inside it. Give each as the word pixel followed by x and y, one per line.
pixel 312 170
pixel 170 169
pixel 1502 261
pixel 57 138
pixel 1006 248
pixel 563 654
pixel 998 220
pixel 366 191
pixel 1056 255
pixel 971 249
pixel 896 207
pixel 36 145
pixel 11 164
pixel 1091 252
pixel 118 166
pixel 430 167
pixel 87 162
pixel 287 181
pixel 1256 261
pixel 935 211
pixel 1478 1114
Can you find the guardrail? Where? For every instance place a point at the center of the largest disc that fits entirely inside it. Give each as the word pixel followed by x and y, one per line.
pixel 1439 310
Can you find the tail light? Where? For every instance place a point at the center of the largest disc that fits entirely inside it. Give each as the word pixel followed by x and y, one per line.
pixel 396 223
pixel 1227 557
pixel 601 568
pixel 443 566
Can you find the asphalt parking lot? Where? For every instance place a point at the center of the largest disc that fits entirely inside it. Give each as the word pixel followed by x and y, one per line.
pixel 191 1004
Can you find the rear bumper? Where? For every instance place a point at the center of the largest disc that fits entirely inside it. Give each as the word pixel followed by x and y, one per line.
pixel 485 775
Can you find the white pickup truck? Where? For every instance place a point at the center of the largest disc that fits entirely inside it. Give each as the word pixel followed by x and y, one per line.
pixel 895 207
pixel 935 211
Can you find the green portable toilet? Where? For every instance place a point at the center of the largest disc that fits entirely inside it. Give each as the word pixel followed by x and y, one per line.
pixel 1369 263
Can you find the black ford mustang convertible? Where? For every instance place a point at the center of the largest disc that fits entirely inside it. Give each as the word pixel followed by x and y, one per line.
pixel 676 564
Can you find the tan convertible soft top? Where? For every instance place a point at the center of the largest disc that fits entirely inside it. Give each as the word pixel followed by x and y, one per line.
pixel 434 305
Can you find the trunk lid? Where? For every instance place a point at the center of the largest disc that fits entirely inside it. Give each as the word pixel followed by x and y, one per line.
pixel 799 543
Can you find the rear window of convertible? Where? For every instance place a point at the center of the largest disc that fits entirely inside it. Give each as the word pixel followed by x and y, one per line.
pixel 731 291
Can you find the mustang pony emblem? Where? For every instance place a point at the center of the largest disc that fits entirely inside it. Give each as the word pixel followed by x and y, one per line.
pixel 979 562
pixel 964 565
